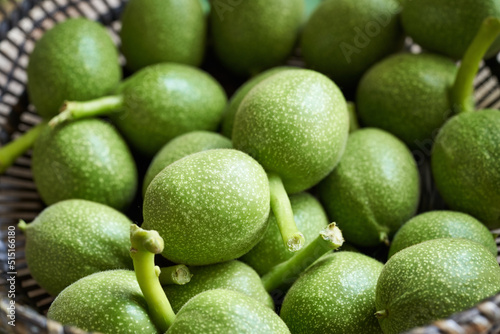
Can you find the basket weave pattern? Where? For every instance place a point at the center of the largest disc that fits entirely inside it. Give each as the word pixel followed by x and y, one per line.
pixel 21 24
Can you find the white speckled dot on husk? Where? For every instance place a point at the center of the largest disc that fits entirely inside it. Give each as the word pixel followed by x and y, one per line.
pixel 295 123
pixel 209 207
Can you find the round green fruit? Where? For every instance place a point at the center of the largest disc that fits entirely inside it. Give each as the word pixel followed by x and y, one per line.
pixel 231 275
pixel 73 239
pixel 408 96
pixel 448 27
pixel 310 218
pixel 251 36
pixel 225 311
pixel 209 207
pixel 86 159
pixel 466 165
pixel 432 280
pixel 164 101
pixel 442 224
pixel 335 295
pixel 182 146
pixel 107 302
pixel 75 60
pixel 374 189
pixel 157 31
pixel 369 31
pixel 295 124
pixel 237 98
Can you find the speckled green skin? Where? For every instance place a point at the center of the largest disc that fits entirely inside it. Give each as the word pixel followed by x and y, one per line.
pixel 179 147
pixel 442 224
pixel 234 103
pixel 448 27
pixel 164 101
pixel 251 36
pixel 108 302
pixel 310 218
pixel 86 159
pixel 73 239
pixel 209 207
pixel 225 311
pixel 466 165
pixel 374 189
pixel 157 31
pixel 232 275
pixel 407 95
pixel 294 124
pixel 369 31
pixel 76 60
pixel 434 279
pixel 334 295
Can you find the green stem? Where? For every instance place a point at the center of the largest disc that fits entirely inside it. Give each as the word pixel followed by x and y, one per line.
pixel 463 88
pixel 145 244
pixel 353 119
pixel 73 110
pixel 284 274
pixel 178 275
pixel 10 152
pixel 282 209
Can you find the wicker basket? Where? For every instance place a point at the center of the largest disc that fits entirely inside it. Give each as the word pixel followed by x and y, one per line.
pixel 21 24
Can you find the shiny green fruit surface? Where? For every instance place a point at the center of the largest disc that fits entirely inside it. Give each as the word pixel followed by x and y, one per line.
pixel 166 100
pixel 77 61
pixel 448 27
pixel 108 302
pixel 295 124
pixel 158 31
pixel 209 207
pixel 408 96
pixel 225 311
pixel 86 159
pixel 239 95
pixel 374 189
pixel 466 165
pixel 344 51
pixel 179 147
pixel 432 280
pixel 232 275
pixel 251 36
pixel 335 295
pixel 442 224
pixel 73 239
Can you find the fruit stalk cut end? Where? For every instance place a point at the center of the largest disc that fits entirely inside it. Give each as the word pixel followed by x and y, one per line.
pixel 384 238
pixel 22 225
pixel 381 314
pixel 182 275
pixel 296 242
pixel 150 241
pixel 334 235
